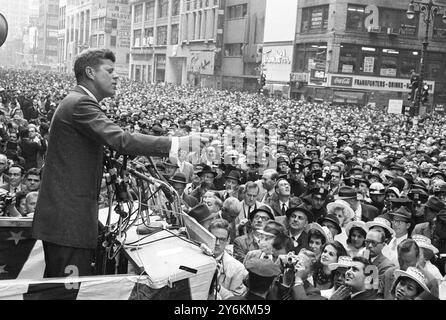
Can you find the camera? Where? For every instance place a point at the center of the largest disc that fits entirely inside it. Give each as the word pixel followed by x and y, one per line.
pixel 288 261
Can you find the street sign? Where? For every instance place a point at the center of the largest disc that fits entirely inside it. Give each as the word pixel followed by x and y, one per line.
pixel 3 29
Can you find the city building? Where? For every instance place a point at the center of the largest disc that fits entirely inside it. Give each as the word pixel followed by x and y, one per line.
pixel 155 55
pixel 357 52
pixel 19 14
pixel 210 43
pixel 47 29
pixel 61 37
pixel 97 24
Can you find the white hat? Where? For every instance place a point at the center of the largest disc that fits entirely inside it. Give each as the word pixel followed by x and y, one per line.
pixel 343 262
pixel 424 242
pixel 323 230
pixel 383 223
pixel 359 224
pixel 348 211
pixel 414 274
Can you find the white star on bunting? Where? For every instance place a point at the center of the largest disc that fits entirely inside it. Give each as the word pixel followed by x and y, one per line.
pixel 2 269
pixel 16 237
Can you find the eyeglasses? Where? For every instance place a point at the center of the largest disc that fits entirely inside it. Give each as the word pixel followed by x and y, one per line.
pixel 372 242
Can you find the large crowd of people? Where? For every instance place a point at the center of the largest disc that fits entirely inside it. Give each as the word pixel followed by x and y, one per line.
pixel 306 200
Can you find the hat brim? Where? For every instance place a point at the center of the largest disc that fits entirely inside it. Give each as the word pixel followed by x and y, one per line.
pixel 356 224
pixel 400 273
pixel 338 227
pixel 429 247
pixel 333 205
pixel 372 224
pixel 334 266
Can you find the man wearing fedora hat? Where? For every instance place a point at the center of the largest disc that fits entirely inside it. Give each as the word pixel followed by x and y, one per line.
pixel 249 241
pixel 296 222
pixel 401 220
pixel 431 209
pixel 178 182
pixel 362 211
pixel 207 174
pixel 232 185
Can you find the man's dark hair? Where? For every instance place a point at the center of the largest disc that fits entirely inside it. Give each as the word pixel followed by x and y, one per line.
pixel 91 58
pixel 406 246
pixel 33 172
pixel 363 260
pixel 22 170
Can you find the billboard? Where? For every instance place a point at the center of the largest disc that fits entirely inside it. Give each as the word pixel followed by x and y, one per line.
pixel 277 62
pixel 201 62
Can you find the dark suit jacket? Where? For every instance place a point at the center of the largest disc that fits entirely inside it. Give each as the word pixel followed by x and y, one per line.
pixel 368 212
pixel 383 264
pixel 275 204
pixel 370 294
pixel 67 208
pixel 242 245
pixel 190 201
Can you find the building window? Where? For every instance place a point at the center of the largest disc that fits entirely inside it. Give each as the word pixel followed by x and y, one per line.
pixel 113 41
pixel 161 36
pixel 305 52
pixel 148 37
pixel 233 49
pixel 163 6
pixel 348 60
pixel 237 11
pixel 101 24
pixel 137 38
pixel 150 10
pixel 114 23
pixel 94 41
pixel 101 40
pixel 355 18
pixel 138 13
pixel 175 7
pixel 174 34
pixel 395 21
pixel 314 19
pixel 389 63
pixel 94 25
pixel 439 28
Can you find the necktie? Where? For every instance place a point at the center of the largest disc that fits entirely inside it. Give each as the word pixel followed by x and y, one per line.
pixel 283 209
pixel 249 211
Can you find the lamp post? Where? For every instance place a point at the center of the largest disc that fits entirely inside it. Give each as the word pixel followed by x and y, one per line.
pixel 429 11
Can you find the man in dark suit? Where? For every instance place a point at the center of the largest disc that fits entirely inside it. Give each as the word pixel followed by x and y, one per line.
pixel 354 287
pixel 282 200
pixel 362 211
pixel 66 216
pixel 374 243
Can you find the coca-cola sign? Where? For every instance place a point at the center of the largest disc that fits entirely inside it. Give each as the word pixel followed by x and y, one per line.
pixel 342 81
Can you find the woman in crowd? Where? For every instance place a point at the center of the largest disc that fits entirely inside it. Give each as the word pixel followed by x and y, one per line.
pixel 345 214
pixel 323 277
pixel 409 284
pixel 356 233
pixel 317 237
